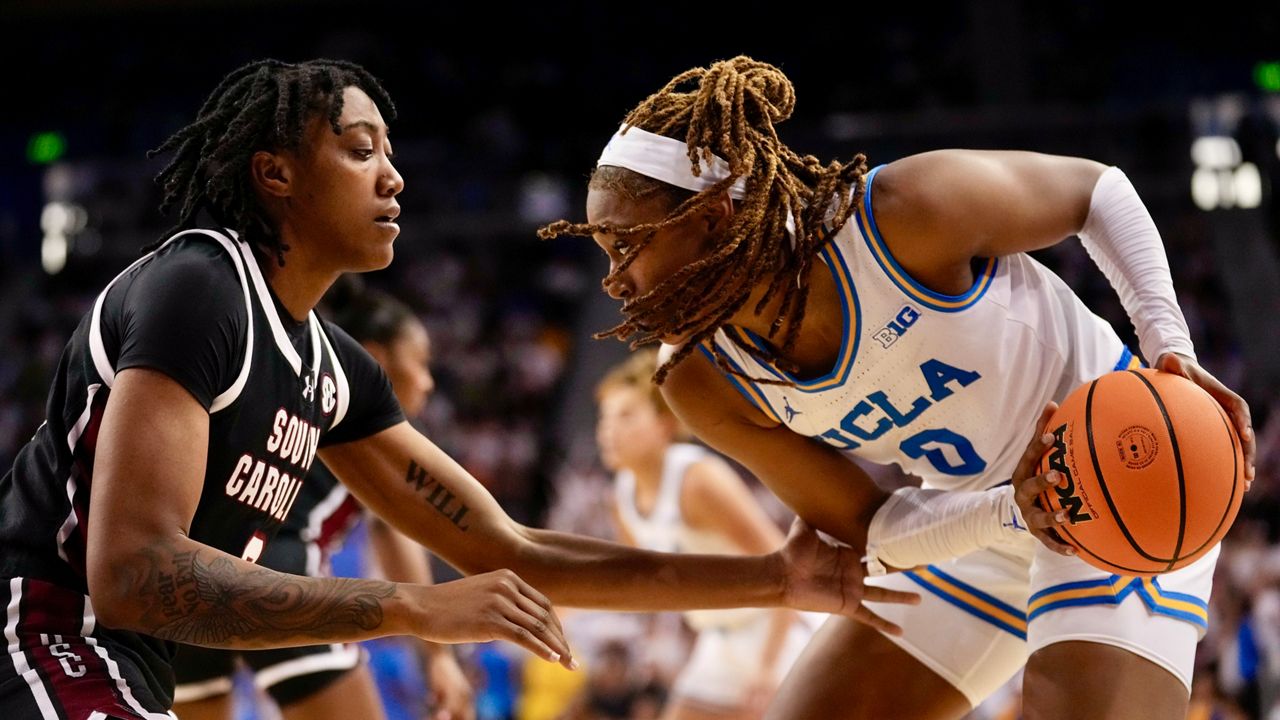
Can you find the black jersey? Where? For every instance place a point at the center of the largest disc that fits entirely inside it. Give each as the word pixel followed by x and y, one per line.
pixel 199 310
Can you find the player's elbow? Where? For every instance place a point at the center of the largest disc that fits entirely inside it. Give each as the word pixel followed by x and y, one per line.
pixel 121 582
pixel 109 581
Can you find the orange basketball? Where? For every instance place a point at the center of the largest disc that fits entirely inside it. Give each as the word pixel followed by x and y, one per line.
pixel 1154 467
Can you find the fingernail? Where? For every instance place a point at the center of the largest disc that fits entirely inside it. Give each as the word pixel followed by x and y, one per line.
pixel 1071 551
pixel 573 663
pixel 1060 516
pixel 1046 438
pixel 555 657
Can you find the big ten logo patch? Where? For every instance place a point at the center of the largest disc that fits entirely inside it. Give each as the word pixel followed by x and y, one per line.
pixel 897 327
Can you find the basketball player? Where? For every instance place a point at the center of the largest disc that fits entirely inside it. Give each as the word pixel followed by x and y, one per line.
pixel 330 681
pixel 671 496
pixel 197 393
pixel 819 309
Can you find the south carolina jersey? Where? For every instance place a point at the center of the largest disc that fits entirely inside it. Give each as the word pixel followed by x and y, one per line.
pixel 663 529
pixel 948 387
pixel 199 310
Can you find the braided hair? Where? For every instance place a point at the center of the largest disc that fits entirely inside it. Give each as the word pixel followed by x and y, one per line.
pixel 264 105
pixel 729 110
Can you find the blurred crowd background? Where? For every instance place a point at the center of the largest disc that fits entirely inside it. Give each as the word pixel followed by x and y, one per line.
pixel 502 114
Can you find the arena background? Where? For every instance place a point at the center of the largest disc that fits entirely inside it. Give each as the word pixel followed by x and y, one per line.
pixel 502 113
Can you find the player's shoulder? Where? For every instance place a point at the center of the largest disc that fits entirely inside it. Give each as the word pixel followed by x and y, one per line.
pixel 186 281
pixel 195 267
pixel 909 185
pixel 922 209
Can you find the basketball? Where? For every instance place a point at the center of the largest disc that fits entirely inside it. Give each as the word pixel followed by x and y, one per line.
pixel 1154 468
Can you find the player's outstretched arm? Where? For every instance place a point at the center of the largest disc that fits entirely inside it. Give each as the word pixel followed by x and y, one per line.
pixel 146 575
pixel 415 486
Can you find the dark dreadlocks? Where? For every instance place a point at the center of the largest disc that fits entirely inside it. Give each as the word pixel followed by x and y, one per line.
pixel 730 112
pixel 264 105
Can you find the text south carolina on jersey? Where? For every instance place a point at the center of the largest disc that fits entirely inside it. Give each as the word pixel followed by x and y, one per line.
pixel 260 484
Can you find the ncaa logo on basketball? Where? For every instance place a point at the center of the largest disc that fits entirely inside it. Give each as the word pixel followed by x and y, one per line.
pixel 1068 497
pixel 1137 446
pixel 328 394
pixel 897 327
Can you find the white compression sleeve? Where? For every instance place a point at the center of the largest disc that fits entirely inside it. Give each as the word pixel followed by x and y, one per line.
pixel 1123 241
pixel 916 526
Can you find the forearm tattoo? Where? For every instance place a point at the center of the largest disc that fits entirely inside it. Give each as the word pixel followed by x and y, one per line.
pixel 206 598
pixel 438 496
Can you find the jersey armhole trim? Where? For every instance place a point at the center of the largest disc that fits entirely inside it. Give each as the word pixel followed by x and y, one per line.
pixel 865 218
pixel 748 389
pixel 231 394
pixel 98 350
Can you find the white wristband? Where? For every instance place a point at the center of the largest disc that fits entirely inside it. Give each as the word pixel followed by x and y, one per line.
pixel 1123 241
pixel 917 526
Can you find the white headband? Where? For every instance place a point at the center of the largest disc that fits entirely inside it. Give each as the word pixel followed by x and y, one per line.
pixel 663 158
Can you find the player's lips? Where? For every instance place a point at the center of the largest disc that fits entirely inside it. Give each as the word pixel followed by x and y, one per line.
pixel 388 218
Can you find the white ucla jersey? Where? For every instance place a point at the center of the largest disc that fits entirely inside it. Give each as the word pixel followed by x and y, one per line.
pixel 663 529
pixel 948 387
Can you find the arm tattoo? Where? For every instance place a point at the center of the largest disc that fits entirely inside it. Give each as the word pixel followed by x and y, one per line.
pixel 438 496
pixel 202 597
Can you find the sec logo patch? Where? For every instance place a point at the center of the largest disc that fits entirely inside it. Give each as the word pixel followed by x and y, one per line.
pixel 328 394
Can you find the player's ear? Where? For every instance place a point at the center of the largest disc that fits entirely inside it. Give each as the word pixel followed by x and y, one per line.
pixel 272 173
pixel 716 215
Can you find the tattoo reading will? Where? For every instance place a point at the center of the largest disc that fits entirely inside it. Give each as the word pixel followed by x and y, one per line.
pixel 438 496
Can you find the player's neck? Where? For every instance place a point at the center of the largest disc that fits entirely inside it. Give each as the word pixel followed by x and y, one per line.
pixel 821 331
pixel 300 282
